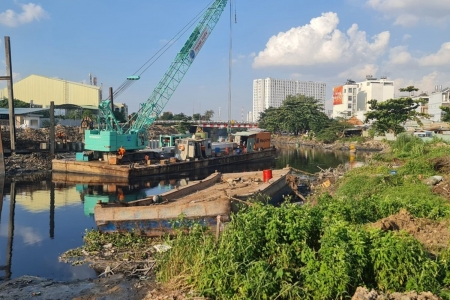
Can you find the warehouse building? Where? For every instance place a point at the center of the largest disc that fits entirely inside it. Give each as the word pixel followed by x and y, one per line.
pixel 41 90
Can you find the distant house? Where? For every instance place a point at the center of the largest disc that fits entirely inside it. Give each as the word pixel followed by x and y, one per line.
pixel 24 117
pixel 440 97
pixel 355 121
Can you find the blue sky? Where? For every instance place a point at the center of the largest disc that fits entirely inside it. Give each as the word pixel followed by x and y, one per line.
pixel 326 41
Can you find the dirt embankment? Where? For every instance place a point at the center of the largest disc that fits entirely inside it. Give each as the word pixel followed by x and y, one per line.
pixel 288 140
pixel 115 287
pixel 432 234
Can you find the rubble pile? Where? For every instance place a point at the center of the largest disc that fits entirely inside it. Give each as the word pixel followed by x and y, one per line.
pixel 34 162
pixel 156 130
pixel 362 293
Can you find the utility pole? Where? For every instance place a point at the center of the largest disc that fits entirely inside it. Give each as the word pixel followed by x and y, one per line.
pixel 52 130
pixel 9 79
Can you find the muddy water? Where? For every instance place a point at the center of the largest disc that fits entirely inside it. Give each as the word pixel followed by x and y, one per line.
pixel 40 220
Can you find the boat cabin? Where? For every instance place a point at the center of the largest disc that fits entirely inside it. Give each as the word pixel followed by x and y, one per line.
pixel 190 149
pixel 250 141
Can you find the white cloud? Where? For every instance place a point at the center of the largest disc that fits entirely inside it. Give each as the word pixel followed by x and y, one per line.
pixel 410 12
pixel 30 12
pixel 442 57
pixel 28 234
pixel 320 42
pixel 399 56
pixel 296 76
pixel 359 72
pixel 425 84
pixel 407 37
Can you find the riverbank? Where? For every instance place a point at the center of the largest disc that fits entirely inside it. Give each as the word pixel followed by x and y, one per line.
pixel 23 164
pixel 114 287
pixel 364 205
pixel 363 144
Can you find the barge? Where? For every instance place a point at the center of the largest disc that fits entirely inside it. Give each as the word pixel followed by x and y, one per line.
pixel 165 167
pixel 206 202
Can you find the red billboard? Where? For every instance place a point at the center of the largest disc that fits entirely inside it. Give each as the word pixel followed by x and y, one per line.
pixel 337 95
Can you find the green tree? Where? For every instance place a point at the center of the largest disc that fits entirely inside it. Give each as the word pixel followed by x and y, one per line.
pixel 335 129
pixel 167 115
pixel 390 114
pixel 208 115
pixel 409 89
pixel 87 113
pixel 446 116
pixel 270 119
pixel 297 114
pixel 196 117
pixel 120 117
pixel 17 103
pixel 181 117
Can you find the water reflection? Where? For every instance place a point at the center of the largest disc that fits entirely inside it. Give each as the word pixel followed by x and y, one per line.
pixel 28 230
pixel 312 160
pixel 91 194
pixel 42 217
pixel 7 267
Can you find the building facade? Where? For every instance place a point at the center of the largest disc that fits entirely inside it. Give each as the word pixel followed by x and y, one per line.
pixel 123 108
pixel 351 99
pixel 272 92
pixel 41 90
pixel 439 97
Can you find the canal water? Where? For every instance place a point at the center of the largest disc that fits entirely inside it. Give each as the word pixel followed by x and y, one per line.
pixel 40 220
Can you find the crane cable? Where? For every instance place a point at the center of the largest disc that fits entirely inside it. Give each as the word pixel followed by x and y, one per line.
pixel 161 51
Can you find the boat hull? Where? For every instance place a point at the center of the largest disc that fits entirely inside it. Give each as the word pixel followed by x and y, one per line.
pixel 219 195
pixel 158 220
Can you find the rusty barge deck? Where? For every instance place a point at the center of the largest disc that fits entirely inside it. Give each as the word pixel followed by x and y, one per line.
pixel 102 168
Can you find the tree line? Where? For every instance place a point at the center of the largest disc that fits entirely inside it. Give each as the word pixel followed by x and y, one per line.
pixel 300 114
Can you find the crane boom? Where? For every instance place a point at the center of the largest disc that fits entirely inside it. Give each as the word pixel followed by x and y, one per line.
pixel 114 137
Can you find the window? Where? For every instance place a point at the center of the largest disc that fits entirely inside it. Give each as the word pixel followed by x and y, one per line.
pixel 349 105
pixel 349 98
pixel 350 90
pixel 344 90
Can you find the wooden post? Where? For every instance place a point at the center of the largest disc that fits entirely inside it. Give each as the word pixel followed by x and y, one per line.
pixel 52 130
pixel 2 157
pixel 12 119
pixel 111 98
pixel 52 210
pixel 219 224
pixel 9 247
pixel 2 189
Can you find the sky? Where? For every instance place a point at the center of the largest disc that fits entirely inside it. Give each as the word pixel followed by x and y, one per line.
pixel 322 40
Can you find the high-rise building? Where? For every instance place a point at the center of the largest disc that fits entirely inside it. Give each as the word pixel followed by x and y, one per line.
pixel 351 98
pixel 272 92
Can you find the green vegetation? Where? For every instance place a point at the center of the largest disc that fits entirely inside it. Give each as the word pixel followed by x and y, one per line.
pixel 390 114
pixel 297 114
pixel 17 103
pixel 326 250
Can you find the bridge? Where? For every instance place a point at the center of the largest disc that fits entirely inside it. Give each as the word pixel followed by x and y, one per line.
pixel 211 124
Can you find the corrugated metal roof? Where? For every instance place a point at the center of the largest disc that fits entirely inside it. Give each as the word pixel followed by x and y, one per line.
pixel 74 106
pixel 22 110
pixel 245 133
pixel 25 110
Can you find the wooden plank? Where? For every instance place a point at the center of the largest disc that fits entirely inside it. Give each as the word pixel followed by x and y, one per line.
pixel 156 212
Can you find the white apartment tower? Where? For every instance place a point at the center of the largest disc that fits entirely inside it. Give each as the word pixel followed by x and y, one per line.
pixel 272 92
